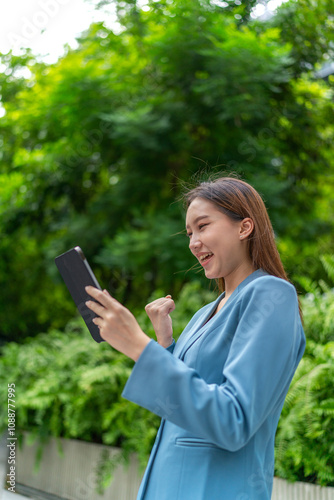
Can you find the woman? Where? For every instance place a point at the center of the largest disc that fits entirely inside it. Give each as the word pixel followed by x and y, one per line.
pixel 221 388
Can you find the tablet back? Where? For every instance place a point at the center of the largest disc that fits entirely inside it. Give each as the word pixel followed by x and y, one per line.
pixel 77 274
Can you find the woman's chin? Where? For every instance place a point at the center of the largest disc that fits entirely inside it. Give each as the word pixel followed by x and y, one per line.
pixel 210 275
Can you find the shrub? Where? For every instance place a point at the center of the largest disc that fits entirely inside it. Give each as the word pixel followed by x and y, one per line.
pixel 69 386
pixel 305 436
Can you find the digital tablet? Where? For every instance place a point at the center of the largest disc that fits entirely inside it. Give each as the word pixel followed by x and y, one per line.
pixel 77 274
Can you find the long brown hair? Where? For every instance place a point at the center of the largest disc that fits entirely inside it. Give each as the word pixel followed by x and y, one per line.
pixel 239 200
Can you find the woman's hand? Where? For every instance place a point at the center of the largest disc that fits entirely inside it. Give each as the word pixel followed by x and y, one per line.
pixel 117 324
pixel 158 311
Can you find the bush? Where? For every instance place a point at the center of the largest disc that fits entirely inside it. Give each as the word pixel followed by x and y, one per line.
pixel 69 386
pixel 305 436
pixel 318 305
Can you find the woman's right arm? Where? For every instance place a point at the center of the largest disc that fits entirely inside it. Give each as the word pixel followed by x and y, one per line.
pixel 159 313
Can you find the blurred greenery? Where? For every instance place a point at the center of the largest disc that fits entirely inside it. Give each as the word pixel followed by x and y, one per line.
pixel 305 436
pixel 96 150
pixel 304 441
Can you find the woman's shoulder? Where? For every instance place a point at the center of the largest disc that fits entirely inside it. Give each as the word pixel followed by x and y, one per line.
pixel 266 279
pixel 270 287
pixel 269 302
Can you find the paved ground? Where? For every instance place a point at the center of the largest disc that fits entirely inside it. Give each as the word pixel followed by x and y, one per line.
pixel 4 494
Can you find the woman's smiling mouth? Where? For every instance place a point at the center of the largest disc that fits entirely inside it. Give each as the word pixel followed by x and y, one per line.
pixel 204 258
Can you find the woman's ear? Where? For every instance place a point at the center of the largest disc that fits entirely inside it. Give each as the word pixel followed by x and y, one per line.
pixel 246 228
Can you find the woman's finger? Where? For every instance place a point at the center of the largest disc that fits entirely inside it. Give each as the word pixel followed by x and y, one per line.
pixel 95 307
pixel 159 302
pixel 103 298
pixel 98 321
pixel 172 307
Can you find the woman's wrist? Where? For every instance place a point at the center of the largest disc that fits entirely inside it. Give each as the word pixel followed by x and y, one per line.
pixel 166 342
pixel 137 350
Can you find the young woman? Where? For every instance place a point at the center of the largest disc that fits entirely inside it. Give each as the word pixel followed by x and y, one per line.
pixel 221 388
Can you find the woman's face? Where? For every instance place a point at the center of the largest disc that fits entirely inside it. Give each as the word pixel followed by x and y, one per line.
pixel 217 241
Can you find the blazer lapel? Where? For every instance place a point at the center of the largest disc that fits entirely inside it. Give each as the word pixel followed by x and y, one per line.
pixel 200 327
pixel 196 331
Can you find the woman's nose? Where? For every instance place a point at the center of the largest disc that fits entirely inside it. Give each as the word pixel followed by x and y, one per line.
pixel 194 244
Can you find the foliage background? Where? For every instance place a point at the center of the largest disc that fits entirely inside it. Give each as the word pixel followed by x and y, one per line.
pixel 95 150
pixel 305 436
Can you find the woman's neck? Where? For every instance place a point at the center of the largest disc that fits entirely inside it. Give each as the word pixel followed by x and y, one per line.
pixel 234 279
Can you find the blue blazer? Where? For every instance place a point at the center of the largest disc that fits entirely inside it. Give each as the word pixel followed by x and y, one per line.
pixel 220 392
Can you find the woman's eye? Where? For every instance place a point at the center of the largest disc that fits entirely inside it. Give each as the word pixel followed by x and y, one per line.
pixel 200 227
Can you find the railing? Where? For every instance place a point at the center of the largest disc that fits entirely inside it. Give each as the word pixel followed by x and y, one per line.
pixel 300 491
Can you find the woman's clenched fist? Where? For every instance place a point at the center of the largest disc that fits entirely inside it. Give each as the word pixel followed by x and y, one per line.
pixel 159 313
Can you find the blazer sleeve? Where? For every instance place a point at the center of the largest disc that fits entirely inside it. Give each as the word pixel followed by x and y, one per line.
pixel 266 348
pixel 170 348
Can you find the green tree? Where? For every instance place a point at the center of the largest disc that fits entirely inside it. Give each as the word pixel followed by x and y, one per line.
pixel 307 25
pixel 95 146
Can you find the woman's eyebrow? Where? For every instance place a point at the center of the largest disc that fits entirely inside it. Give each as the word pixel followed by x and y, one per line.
pixel 200 217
